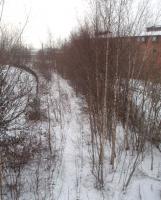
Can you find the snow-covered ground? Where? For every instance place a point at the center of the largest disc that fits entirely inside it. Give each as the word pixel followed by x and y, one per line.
pixel 75 181
pixel 66 174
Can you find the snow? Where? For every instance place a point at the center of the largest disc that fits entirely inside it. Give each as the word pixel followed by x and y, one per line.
pixel 144 190
pixel 147 95
pixel 67 176
pixel 76 180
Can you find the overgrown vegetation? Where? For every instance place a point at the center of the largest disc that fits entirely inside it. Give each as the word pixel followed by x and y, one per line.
pixel 106 62
pixel 116 74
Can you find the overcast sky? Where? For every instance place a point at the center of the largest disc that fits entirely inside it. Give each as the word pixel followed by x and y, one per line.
pixel 58 17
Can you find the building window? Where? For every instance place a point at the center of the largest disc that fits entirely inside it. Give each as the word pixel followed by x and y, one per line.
pixel 154 38
pixel 138 39
pixel 141 39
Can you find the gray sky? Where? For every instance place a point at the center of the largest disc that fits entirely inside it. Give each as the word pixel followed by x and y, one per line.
pixel 58 17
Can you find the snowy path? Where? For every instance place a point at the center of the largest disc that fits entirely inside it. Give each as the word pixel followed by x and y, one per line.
pixel 75 181
pixel 70 172
pixel 67 186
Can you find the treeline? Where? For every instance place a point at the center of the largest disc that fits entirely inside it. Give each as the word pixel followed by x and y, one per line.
pixel 104 62
pixel 12 49
pixel 117 75
pixel 25 148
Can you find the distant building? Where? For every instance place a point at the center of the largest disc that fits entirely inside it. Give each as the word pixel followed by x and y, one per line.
pixel 153 28
pixel 145 51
